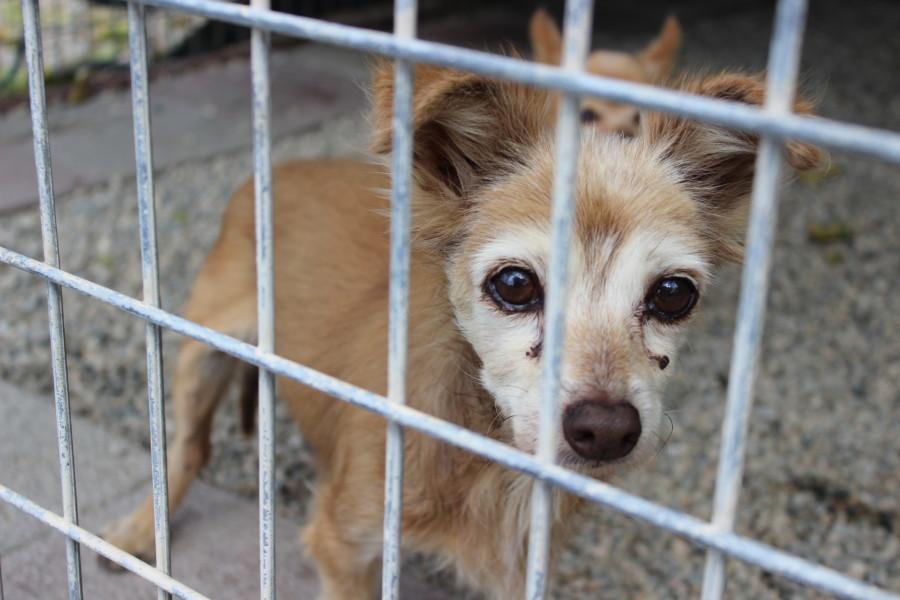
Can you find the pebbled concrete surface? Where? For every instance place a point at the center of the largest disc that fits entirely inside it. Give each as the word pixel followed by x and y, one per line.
pixel 107 466
pixel 823 473
pixel 214 535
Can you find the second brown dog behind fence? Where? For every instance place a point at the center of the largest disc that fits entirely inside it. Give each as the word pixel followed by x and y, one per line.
pixel 653 64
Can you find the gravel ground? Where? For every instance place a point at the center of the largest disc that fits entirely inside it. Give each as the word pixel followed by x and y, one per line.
pixel 823 471
pixel 108 386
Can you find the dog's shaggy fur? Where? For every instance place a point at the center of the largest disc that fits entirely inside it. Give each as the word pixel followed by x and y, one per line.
pixel 670 201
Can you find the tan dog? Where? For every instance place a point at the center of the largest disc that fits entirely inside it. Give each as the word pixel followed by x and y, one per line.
pixel 651 65
pixel 655 215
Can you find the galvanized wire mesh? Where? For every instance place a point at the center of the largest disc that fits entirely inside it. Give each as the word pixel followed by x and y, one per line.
pixel 773 121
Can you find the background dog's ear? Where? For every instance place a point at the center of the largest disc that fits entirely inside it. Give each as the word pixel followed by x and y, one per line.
pixel 468 128
pixel 716 164
pixel 660 54
pixel 545 38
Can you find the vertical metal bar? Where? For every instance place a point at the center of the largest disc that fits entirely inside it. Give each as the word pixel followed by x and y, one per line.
pixel 143 155
pixel 1 581
pixel 34 60
pixel 265 286
pixel 784 64
pixel 405 15
pixel 576 43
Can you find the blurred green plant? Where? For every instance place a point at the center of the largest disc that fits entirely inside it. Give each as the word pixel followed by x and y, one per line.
pixel 829 233
pixel 78 38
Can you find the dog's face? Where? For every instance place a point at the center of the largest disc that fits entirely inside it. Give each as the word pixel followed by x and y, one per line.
pixel 654 215
pixel 639 263
pixel 652 64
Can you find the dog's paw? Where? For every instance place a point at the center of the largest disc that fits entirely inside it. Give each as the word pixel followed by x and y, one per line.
pixel 132 536
pixel 109 565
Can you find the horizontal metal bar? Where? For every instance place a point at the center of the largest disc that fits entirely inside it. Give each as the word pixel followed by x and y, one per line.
pixel 879 143
pixel 100 546
pixel 693 529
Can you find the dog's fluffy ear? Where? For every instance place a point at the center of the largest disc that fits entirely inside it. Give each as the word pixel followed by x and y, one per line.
pixel 659 56
pixel 468 130
pixel 716 164
pixel 546 40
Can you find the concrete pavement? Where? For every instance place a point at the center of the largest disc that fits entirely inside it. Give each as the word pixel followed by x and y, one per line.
pixel 194 114
pixel 214 534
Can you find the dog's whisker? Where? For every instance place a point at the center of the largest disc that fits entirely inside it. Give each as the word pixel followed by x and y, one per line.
pixel 663 442
pixel 498 421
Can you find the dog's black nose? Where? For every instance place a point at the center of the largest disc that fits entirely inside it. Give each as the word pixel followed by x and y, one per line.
pixel 601 430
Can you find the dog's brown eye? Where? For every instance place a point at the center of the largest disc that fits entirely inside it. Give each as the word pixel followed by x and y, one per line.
pixel 672 298
pixel 515 289
pixel 589 116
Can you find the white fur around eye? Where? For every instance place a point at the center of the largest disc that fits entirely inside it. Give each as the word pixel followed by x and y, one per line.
pixel 644 257
pixel 526 246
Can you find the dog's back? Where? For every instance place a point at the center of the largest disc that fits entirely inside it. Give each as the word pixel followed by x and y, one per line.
pixel 331 241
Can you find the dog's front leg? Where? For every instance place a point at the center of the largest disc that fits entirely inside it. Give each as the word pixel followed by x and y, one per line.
pixel 344 531
pixel 347 558
pixel 201 376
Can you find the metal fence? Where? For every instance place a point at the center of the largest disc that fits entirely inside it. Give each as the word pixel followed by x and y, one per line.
pixel 774 122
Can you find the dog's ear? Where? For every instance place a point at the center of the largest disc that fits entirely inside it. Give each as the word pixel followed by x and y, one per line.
pixel 717 165
pixel 659 56
pixel 545 38
pixel 468 129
